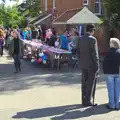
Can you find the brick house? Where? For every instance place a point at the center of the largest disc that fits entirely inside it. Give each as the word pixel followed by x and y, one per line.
pixel 57 7
pixel 63 5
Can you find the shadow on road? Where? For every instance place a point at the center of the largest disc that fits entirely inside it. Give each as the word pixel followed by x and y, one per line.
pixel 63 112
pixel 35 75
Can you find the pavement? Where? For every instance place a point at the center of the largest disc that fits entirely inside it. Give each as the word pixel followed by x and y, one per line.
pixel 42 93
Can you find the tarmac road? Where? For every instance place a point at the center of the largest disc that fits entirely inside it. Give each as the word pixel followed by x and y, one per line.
pixel 41 93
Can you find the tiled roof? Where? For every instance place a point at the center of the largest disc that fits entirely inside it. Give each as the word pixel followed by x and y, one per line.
pixel 43 19
pixel 66 16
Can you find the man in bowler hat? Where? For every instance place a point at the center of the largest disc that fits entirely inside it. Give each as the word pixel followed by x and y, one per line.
pixel 89 62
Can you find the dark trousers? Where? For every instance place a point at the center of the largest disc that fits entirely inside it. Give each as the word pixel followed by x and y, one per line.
pixel 17 62
pixel 89 78
pixel 1 51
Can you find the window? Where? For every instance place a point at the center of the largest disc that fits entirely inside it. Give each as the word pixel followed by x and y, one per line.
pixel 85 2
pixel 46 5
pixel 98 7
pixel 54 3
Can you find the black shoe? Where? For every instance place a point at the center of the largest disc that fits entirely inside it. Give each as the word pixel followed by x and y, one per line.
pixel 108 107
pixel 90 104
pixel 16 68
pixel 117 109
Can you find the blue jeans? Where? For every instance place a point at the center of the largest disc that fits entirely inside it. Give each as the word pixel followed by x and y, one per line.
pixel 113 86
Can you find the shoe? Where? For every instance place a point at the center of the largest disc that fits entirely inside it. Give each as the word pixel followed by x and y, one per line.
pixel 117 109
pixel 90 104
pixel 107 106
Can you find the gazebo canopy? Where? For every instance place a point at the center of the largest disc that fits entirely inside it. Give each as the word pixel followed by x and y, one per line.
pixel 85 16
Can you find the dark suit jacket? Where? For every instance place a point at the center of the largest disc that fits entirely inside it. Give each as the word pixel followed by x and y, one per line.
pixel 88 52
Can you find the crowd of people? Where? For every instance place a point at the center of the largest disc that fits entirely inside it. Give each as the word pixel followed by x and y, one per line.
pixel 86 50
pixel 67 41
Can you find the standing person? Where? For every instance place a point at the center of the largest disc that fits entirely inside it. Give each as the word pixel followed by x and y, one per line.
pixel 40 33
pixel 57 42
pixel 64 40
pixel 16 50
pixel 75 38
pixel 111 66
pixel 1 42
pixel 9 41
pixel 89 62
pixel 6 38
pixel 29 35
pixel 43 28
pixel 25 34
pixel 48 35
pixel 34 34
pixel 53 39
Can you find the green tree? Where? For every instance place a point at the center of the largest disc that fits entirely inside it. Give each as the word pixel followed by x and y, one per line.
pixel 9 16
pixel 111 16
pixel 32 7
pixel 113 6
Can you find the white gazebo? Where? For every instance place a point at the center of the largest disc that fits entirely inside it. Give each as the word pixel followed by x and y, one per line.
pixel 85 16
pixel 76 17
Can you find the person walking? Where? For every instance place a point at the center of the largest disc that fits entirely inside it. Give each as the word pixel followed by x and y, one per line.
pixel 111 66
pixel 89 63
pixel 16 50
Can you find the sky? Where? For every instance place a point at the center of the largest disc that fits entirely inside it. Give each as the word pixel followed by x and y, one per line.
pixel 10 3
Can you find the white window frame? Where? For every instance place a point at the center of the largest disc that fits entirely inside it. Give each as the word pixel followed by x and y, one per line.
pixel 85 2
pixel 54 3
pixel 46 5
pixel 100 7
